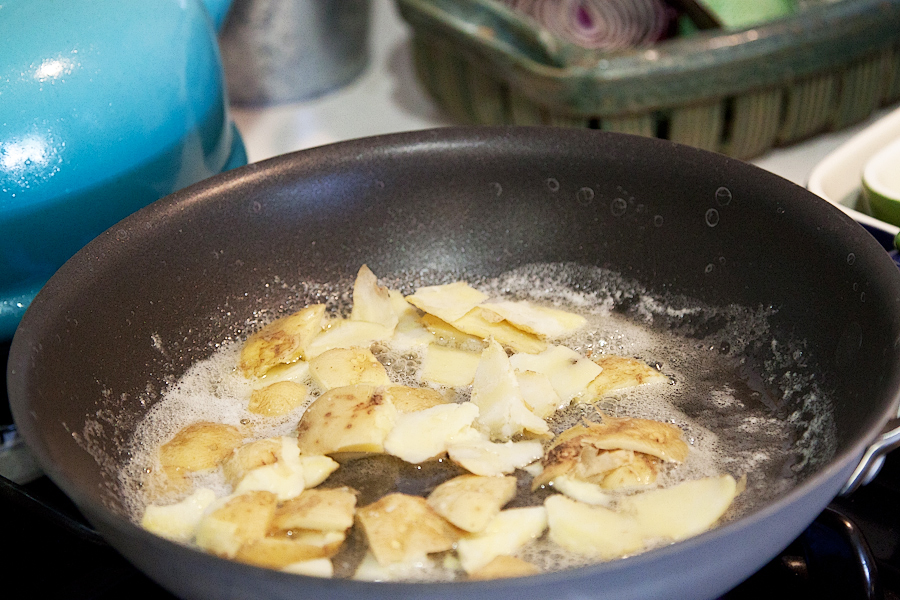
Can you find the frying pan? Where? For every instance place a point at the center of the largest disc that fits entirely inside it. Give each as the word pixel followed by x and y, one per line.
pixel 130 312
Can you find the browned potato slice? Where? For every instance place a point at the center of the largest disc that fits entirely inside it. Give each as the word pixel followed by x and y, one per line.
pixel 662 440
pixel 504 566
pixel 276 552
pixel 640 472
pixel 322 510
pixel 250 456
pixel 241 520
pixel 277 399
pixel 477 323
pixel 355 418
pixel 471 501
pixel 340 367
pixel 620 372
pixel 281 341
pixel 198 447
pixel 402 528
pixel 409 399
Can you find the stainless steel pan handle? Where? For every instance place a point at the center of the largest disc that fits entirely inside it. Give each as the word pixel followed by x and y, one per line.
pixel 872 460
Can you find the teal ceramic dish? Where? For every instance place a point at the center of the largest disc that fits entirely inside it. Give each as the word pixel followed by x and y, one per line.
pixel 105 107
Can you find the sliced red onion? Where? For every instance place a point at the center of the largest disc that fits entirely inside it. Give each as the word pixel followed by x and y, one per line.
pixel 603 24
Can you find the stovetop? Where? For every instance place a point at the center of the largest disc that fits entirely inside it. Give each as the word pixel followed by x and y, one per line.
pixel 852 550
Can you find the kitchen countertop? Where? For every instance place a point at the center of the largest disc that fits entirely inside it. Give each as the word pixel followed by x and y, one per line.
pixel 388 98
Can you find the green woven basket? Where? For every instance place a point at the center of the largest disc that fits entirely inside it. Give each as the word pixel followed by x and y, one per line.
pixel 735 92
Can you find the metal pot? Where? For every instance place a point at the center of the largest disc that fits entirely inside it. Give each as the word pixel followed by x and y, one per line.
pixel 131 311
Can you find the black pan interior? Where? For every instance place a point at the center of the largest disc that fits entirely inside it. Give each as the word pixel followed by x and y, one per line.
pixel 130 312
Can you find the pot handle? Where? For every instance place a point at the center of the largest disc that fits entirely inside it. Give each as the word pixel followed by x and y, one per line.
pixel 873 458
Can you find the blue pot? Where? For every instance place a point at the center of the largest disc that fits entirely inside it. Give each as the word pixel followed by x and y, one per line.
pixel 105 107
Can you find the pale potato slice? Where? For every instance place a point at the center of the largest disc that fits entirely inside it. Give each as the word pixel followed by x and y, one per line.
pixel 424 434
pixel 316 567
pixel 505 534
pixel 496 393
pixel 504 566
pixel 282 341
pixel 541 321
pixel 409 399
pixel 410 332
pixel 478 322
pixel 681 511
pixel 321 510
pixel 277 399
pixel 178 521
pixel 276 552
pixel 593 531
pixel 471 501
pixel 448 302
pixel 316 469
pixel 297 371
pixel 449 366
pixel 582 491
pixel 198 447
pixel 369 569
pixel 372 302
pixel 568 371
pixel 401 528
pixel 239 520
pixel 340 367
pixel 344 333
pixel 621 372
pixel 538 393
pixel 354 418
pixel 284 477
pixel 446 334
pixel 492 459
pixel 250 456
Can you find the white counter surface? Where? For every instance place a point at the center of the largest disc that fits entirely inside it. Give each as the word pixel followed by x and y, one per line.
pixel 388 98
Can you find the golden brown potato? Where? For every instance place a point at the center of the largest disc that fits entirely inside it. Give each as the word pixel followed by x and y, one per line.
pixel 241 520
pixel 250 456
pixel 471 501
pixel 504 566
pixel 341 367
pixel 621 372
pixel 354 418
pixel 323 510
pixel 408 399
pixel 276 552
pixel 402 528
pixel 277 399
pixel 198 447
pixel 281 341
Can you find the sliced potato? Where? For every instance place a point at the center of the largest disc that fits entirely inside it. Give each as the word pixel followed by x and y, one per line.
pixel 449 366
pixel 198 447
pixel 471 501
pixel 277 399
pixel 448 302
pixel 344 333
pixel 582 491
pixel 239 520
pixel 316 469
pixel 446 334
pixel 322 510
pixel 316 567
pixel 354 418
pixel 504 566
pixel 424 434
pixel 640 472
pixel 621 372
pixel 401 528
pixel 481 323
pixel 683 510
pixel 282 341
pixel 593 531
pixel 662 440
pixel 496 393
pixel 568 371
pixel 250 456
pixel 340 367
pixel 541 321
pixel 492 459
pixel 409 399
pixel 538 393
pixel 297 371
pixel 178 521
pixel 372 302
pixel 505 534
pixel 276 552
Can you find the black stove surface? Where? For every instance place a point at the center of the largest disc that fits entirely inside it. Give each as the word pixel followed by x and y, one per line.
pixel 852 551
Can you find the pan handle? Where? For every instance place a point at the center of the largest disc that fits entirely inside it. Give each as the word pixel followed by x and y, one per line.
pixel 872 460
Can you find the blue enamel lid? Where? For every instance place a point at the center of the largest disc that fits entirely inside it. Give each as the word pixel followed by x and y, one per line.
pixel 105 106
